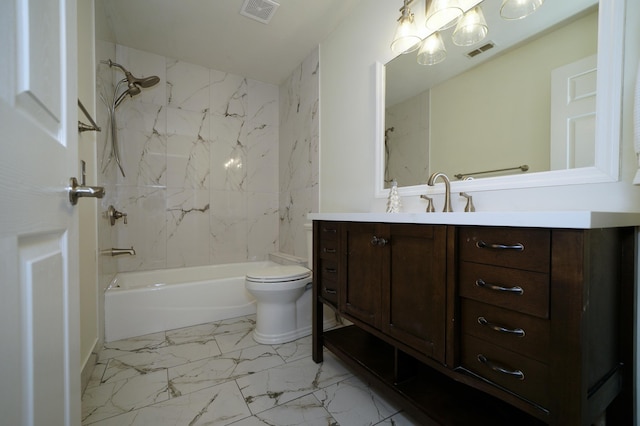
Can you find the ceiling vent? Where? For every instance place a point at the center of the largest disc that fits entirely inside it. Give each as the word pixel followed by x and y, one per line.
pixel 259 10
pixel 481 49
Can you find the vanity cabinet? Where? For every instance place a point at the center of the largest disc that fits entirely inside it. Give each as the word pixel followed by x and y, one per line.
pixel 363 248
pixel 484 325
pixel 382 277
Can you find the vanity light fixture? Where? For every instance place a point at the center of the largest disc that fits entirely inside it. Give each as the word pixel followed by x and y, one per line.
pixel 519 9
pixel 471 28
pixel 406 38
pixel 466 15
pixel 442 14
pixel 432 50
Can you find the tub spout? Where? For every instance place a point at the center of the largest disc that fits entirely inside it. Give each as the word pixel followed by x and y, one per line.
pixel 118 252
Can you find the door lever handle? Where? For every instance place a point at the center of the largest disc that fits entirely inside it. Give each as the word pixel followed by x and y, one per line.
pixel 76 191
pixel 81 190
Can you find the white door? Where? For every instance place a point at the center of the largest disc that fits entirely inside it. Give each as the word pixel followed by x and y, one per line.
pixel 39 322
pixel 573 115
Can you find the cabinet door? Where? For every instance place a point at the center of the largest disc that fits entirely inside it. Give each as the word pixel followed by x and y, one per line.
pixel 414 304
pixel 362 283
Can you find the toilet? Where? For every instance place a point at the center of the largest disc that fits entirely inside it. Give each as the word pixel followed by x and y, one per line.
pixel 283 298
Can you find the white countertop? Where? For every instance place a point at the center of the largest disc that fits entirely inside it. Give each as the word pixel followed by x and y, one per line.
pixel 578 219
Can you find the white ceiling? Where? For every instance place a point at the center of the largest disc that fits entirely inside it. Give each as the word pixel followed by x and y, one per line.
pixel 212 33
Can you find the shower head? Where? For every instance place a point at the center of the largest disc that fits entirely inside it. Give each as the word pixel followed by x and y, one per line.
pixel 134 83
pixel 146 81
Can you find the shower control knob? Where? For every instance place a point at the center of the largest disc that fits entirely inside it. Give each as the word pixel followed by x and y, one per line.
pixel 114 215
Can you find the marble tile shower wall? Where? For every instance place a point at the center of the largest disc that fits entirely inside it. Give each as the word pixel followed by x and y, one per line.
pixel 200 154
pixel 299 127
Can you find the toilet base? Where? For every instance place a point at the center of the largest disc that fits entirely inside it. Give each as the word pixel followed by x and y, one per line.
pixel 289 336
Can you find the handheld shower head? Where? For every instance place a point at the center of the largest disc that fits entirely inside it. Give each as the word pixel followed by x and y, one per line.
pixel 147 81
pixel 134 83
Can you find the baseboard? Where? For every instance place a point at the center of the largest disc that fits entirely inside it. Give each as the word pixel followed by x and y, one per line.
pixel 89 365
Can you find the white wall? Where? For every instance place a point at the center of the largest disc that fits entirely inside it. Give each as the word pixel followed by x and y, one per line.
pixel 89 324
pixel 347 127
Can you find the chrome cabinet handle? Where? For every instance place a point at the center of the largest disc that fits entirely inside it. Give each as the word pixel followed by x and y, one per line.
pixel 499 369
pixel 379 241
pixel 331 270
pixel 329 291
pixel 515 289
pixel 516 331
pixel 329 250
pixel 517 246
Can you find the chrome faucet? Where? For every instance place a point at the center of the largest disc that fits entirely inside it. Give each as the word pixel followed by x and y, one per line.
pixel 447 188
pixel 118 252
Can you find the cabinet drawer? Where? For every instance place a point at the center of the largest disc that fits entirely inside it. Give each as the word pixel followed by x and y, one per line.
pixel 328 249
pixel 527 249
pixel 524 376
pixel 525 334
pixel 328 275
pixel 515 289
pixel 329 231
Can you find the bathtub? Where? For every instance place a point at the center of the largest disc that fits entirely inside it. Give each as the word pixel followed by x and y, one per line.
pixel 138 303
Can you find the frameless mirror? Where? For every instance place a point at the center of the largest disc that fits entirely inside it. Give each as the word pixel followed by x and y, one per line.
pixel 503 109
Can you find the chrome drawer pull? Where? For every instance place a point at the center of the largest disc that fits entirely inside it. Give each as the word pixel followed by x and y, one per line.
pixel 517 246
pixel 515 373
pixel 330 270
pixel 329 291
pixel 329 250
pixel 517 331
pixel 332 230
pixel 515 289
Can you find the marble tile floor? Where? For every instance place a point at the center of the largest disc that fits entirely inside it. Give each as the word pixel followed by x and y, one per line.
pixel 216 374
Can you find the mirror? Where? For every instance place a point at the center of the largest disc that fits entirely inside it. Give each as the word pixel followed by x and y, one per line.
pixel 484 129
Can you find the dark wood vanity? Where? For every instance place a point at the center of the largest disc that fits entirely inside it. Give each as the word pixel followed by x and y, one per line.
pixel 466 324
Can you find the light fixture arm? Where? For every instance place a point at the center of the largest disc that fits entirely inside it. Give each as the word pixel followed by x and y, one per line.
pixel 405 11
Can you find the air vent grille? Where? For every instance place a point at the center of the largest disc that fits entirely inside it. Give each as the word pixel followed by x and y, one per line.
pixel 481 49
pixel 259 10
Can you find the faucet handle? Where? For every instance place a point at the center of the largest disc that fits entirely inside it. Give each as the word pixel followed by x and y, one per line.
pixel 113 215
pixel 430 208
pixel 469 207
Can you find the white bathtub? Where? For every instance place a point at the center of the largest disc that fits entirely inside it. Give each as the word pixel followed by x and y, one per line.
pixel 138 303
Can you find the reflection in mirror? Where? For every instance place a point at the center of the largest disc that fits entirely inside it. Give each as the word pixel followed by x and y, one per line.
pixel 501 109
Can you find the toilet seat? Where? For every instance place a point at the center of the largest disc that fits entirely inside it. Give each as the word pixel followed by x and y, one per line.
pixel 280 273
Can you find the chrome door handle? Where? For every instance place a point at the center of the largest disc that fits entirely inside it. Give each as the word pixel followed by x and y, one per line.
pixel 81 190
pixel 76 191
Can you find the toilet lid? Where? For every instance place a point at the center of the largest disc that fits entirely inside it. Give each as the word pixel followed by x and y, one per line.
pixel 279 273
